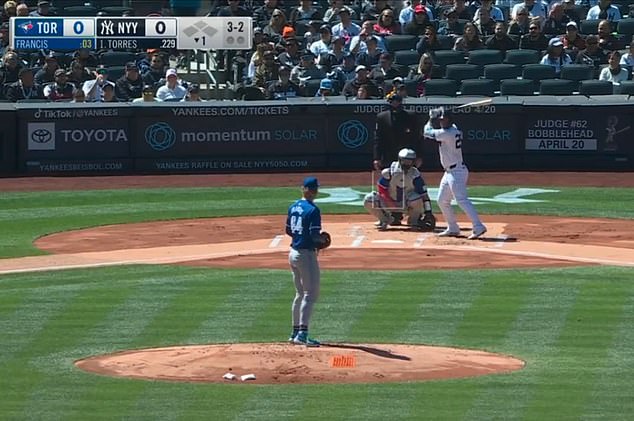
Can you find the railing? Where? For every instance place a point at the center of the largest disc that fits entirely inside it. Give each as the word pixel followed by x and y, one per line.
pixel 209 62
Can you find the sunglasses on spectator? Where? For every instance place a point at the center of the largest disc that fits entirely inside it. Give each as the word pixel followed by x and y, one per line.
pixel 522 14
pixel 533 28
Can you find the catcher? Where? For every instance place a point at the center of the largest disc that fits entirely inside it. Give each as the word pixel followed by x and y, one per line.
pixel 401 188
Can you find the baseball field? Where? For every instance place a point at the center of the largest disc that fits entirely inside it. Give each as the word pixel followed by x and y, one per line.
pixel 117 267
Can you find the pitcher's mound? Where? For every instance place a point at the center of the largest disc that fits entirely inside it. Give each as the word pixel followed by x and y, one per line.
pixel 286 363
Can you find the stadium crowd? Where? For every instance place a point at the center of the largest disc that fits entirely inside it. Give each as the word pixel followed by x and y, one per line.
pixel 361 50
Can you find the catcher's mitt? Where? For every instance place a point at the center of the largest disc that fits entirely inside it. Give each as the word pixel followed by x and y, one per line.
pixel 428 222
pixel 324 240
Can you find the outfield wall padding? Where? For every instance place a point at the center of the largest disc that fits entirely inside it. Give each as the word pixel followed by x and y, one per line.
pixel 510 133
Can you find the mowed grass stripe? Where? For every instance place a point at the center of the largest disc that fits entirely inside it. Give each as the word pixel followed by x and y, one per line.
pixel 392 308
pixel 612 399
pixel 533 335
pixel 440 312
pixel 582 347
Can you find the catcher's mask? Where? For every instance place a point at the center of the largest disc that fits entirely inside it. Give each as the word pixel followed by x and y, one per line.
pixel 406 158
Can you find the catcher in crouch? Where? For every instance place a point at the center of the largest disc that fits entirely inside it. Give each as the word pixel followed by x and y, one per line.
pixel 401 188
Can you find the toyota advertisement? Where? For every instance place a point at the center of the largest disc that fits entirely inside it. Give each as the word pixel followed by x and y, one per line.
pixel 69 140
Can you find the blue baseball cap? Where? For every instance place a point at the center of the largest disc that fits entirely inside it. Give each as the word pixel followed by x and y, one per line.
pixel 311 183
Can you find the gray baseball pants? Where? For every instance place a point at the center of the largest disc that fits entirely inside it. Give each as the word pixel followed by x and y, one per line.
pixel 306 276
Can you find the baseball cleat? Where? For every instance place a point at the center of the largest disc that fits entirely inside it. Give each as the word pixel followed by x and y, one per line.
pixel 303 339
pixel 381 226
pixel 477 233
pixel 448 233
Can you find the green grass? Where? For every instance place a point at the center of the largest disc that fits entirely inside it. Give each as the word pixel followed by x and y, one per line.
pixel 27 216
pixel 571 326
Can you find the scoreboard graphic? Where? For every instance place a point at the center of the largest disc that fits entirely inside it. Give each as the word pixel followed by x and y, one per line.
pixel 99 33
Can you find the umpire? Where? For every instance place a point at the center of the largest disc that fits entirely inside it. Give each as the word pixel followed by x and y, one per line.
pixel 396 129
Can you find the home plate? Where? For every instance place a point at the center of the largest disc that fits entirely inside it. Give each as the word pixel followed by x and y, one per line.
pixel 388 241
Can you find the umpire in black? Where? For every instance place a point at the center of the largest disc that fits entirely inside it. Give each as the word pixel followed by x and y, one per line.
pixel 396 129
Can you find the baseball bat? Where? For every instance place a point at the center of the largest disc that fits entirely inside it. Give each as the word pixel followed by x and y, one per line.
pixel 479 103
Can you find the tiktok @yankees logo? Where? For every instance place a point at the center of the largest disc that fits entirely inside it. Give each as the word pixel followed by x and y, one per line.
pixel 352 197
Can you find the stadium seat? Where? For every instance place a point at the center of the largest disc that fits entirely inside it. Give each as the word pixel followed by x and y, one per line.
pixel 400 42
pixel 577 73
pixel 627 87
pixel 446 41
pixel 462 71
pixel 116 58
pixel 478 87
pixel 250 93
pixel 502 71
pixel 311 86
pixel 520 87
pixel 595 87
pixel 80 11
pixel 538 72
pixel 410 86
pixel 558 87
pixel 446 57
pixel 441 87
pixel 522 57
pixel 626 27
pixel 406 57
pixel 484 57
pixel 116 10
pixel 589 26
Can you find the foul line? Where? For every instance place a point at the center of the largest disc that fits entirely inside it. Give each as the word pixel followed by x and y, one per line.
pixel 357 241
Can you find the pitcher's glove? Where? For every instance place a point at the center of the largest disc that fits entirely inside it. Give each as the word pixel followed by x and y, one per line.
pixel 324 240
pixel 428 222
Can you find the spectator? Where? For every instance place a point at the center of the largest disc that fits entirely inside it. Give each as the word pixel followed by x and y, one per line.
pixel 607 41
pixel 358 43
pixel 86 58
pixel 4 39
pixel 535 40
pixel 130 85
pixel 361 78
pixel 520 23
pixel 326 88
pixel 154 75
pixel 372 54
pixel 331 16
pixel 257 58
pixel 266 72
pixel 290 56
pixel 573 43
pixel 312 34
pixel 109 93
pixel 148 95
pixel 307 69
pixel 469 41
pixel 262 15
pixel 346 29
pixel 451 25
pixel 275 28
pixel 592 55
pixel 79 96
pixel 60 90
pixel 363 92
pixel 25 87
pixel 501 40
pixel 557 20
pixel 10 69
pixel 419 22
pixel 627 59
pixel 485 25
pixel 495 13
pixel 334 57
pixel 193 94
pixel 172 90
pixel 344 72
pixel 10 10
pixel 555 55
pixel 43 9
pixel 614 72
pixel 570 11
pixel 422 73
pixel 463 11
pixel 384 70
pixel 407 13
pixel 305 11
pixel 323 45
pixel 78 74
pixel 535 9
pixel 94 88
pixel 373 9
pixel 185 7
pixel 604 10
pixel 284 87
pixel 233 8
pixel 386 24
pixel 429 41
pixel 47 73
pixel 22 10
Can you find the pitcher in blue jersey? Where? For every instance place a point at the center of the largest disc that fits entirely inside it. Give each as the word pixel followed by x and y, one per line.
pixel 303 225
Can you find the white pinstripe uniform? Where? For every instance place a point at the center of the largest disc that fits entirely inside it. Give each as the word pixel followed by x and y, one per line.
pixel 454 181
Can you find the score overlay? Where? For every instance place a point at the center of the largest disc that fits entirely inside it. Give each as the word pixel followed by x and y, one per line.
pixel 101 33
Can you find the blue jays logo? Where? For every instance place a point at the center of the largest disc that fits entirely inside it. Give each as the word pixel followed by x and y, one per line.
pixel 26 26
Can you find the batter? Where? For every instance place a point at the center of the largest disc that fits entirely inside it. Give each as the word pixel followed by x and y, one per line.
pixel 453 184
